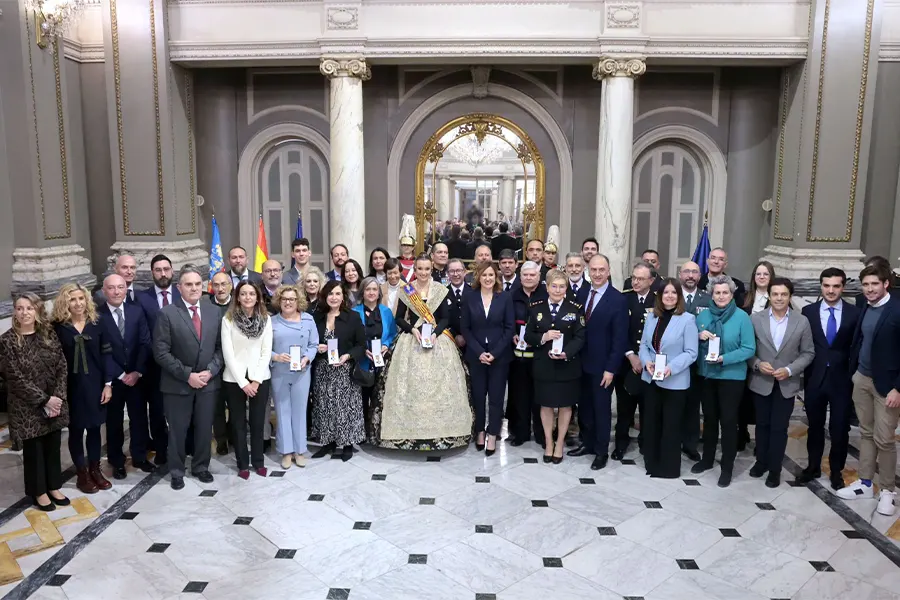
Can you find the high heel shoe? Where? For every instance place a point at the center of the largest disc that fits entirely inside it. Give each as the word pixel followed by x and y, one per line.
pixel 480 446
pixel 556 459
pixel 490 451
pixel 548 458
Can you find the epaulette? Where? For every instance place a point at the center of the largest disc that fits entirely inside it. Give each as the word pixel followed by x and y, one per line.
pixel 576 305
pixel 628 290
pixel 535 302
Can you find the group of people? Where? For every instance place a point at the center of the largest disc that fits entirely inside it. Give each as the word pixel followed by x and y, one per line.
pixel 420 352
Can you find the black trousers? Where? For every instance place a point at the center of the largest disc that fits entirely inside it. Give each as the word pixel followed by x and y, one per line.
pixel 817 403
pixel 221 426
pixel 488 385
pixel 77 443
pixel 626 405
pixel 237 408
pixel 158 414
pixel 773 415
pixel 690 427
pixel 523 414
pixel 661 422
pixel 595 414
pixel 746 412
pixel 182 411
pixel 40 464
pixel 133 398
pixel 721 400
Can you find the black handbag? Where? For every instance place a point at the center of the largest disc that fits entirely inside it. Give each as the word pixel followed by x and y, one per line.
pixel 362 377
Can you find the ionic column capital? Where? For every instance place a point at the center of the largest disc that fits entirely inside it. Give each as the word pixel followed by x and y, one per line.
pixel 345 67
pixel 619 67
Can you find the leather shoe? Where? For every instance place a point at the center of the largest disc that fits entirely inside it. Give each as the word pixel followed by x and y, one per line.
pixel 773 480
pixel 579 451
pixel 221 449
pixel 725 479
pixel 701 467
pixel 757 470
pixel 618 454
pixel 119 473
pixel 807 475
pixel 837 482
pixel 692 454
pixel 177 483
pixel 145 465
pixel 599 462
pixel 204 477
pixel 571 440
pixel 516 442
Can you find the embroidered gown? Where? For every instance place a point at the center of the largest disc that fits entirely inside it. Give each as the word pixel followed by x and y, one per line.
pixel 422 400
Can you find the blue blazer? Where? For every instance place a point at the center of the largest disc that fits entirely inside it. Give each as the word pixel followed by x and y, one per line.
pixel 885 348
pixel 388 330
pixel 147 300
pixel 132 352
pixel 679 344
pixel 830 369
pixel 492 333
pixel 606 334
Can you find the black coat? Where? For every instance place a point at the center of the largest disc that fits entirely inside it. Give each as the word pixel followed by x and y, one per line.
pixel 570 321
pixel 454 308
pixel 885 348
pixel 90 367
pixel 349 331
pixel 830 369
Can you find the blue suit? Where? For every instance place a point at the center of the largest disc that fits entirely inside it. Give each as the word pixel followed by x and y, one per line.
pixel 491 333
pixel 159 429
pixel 605 343
pixel 131 352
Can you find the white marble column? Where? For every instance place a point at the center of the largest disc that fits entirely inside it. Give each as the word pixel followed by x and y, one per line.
pixel 347 206
pixel 445 197
pixel 508 196
pixel 612 217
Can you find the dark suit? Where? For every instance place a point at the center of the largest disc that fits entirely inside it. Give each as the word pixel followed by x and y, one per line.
pixel 827 387
pixel 179 352
pixel 454 308
pixel 606 339
pixel 159 430
pixel 570 322
pixel 885 348
pixel 628 396
pixel 131 352
pixel 655 287
pixel 251 276
pixel 580 297
pixel 491 333
pixel 690 431
pixel 522 412
pixel 335 275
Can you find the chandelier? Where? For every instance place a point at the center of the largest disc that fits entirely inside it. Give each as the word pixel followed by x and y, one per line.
pixel 475 152
pixel 52 18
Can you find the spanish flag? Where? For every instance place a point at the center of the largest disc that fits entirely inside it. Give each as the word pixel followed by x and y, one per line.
pixel 262 247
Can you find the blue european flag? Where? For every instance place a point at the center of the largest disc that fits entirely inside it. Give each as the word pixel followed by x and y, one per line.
pixel 297 234
pixel 216 262
pixel 701 254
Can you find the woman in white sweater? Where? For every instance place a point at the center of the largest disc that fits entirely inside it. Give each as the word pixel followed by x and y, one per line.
pixel 247 349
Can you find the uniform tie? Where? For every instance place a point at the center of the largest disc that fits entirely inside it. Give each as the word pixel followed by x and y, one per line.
pixel 195 318
pixel 690 299
pixel 553 309
pixel 459 295
pixel 120 321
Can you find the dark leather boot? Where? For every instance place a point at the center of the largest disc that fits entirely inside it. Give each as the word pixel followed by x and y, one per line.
pixel 85 482
pixel 97 475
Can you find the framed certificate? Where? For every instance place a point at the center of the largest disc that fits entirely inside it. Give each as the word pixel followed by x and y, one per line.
pixel 659 370
pixel 334 358
pixel 377 357
pixel 296 358
pixel 427 330
pixel 557 345
pixel 521 345
pixel 712 354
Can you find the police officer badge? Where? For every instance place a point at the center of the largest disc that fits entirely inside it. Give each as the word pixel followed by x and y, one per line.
pixel 539 316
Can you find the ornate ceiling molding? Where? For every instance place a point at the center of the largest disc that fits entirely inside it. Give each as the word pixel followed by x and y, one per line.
pixel 83 53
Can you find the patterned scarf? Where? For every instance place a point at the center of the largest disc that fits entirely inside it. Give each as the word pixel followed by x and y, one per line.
pixel 252 327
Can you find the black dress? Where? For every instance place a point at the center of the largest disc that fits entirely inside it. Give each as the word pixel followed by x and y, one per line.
pixel 88 359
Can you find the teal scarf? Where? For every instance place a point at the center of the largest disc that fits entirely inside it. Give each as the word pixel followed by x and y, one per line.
pixel 717 327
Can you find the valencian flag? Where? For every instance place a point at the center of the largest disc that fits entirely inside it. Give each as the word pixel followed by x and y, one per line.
pixel 216 264
pixel 262 247
pixel 297 234
pixel 701 254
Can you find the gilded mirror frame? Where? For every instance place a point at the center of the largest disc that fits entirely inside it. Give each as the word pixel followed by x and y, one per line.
pixel 480 125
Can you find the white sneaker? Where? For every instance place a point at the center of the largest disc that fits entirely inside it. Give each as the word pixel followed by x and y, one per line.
pixel 856 491
pixel 886 503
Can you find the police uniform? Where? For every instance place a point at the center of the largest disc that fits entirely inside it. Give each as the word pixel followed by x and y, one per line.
pixel 628 385
pixel 557 382
pixel 522 412
pixel 694 303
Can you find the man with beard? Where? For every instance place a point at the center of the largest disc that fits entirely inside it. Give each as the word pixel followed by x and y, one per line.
pixel 695 301
pixel 237 260
pixel 339 255
pixel 161 294
pixel 271 280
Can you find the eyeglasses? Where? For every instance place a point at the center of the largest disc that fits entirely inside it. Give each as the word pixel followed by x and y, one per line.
pixel 288 299
pixel 456 271
pixel 271 271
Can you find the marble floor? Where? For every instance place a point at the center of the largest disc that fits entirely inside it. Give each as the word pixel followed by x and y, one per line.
pixel 458 526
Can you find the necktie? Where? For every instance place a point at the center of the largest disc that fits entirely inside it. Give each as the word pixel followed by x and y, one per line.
pixel 590 305
pixel 690 300
pixel 459 295
pixel 130 295
pixel 165 297
pixel 120 320
pixel 508 285
pixel 831 327
pixel 575 289
pixel 195 318
pixel 553 309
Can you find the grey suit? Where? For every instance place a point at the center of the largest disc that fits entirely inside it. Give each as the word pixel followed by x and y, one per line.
pixel 700 301
pixel 775 403
pixel 292 277
pixel 179 352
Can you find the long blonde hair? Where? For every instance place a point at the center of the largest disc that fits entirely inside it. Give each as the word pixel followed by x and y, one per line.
pixel 42 325
pixel 61 312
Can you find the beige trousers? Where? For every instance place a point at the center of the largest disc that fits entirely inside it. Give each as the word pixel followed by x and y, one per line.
pixel 877 424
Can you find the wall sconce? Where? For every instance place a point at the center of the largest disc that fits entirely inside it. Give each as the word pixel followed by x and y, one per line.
pixel 52 18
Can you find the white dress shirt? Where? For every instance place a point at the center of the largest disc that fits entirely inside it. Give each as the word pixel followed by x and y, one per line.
pixel 759 302
pixel 113 309
pixel 883 301
pixel 778 327
pixel 236 279
pixel 190 312
pixel 824 314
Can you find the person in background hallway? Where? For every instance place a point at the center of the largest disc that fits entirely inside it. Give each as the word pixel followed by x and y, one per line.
pixel 716 265
pixel 271 281
pixel 876 389
pixel 522 410
pixel 557 376
pixel 125 267
pixel 131 349
pixel 313 282
pixel 377 257
pixel 85 342
pixel 508 264
pixel 455 245
pixel 237 262
pixel 339 255
pixel 292 326
pixel 826 382
pixel 696 300
pixel 247 351
pixel 392 287
pixel 161 294
pixel 337 409
pixel 187 347
pixel 35 370
pixel 379 324
pixel 651 257
pixel 487 326
pixel 629 392
pixel 672 333
pixel 724 378
pixel 606 340
pixel 504 241
pixel 301 254
pixel 440 255
pixel 784 348
pixel 351 275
